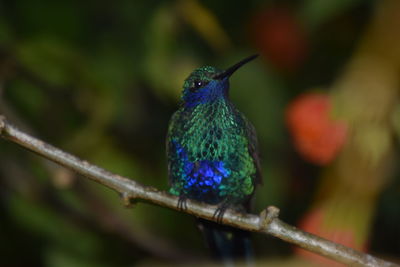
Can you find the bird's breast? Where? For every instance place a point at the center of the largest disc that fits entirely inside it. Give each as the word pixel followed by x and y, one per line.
pixel 210 153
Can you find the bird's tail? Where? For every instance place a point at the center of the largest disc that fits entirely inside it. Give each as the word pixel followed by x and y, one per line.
pixel 227 244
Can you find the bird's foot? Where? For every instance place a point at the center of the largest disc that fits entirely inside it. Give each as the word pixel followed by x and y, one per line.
pixel 219 212
pixel 182 205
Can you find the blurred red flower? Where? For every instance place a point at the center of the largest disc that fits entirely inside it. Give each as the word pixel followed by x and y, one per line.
pixel 317 137
pixel 279 36
pixel 317 222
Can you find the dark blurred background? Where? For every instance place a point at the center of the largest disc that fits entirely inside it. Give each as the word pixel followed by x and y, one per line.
pixel 100 79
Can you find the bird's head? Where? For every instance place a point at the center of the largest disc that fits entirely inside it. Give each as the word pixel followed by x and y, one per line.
pixel 208 84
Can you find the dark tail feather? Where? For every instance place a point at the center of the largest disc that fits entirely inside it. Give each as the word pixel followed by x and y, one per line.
pixel 227 244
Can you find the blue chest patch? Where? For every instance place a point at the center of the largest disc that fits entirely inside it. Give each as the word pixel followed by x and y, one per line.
pixel 199 180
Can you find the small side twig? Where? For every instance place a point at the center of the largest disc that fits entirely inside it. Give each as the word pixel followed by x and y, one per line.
pixel 267 222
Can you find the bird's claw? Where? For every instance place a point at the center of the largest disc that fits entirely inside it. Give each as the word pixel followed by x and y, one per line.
pixel 182 205
pixel 219 213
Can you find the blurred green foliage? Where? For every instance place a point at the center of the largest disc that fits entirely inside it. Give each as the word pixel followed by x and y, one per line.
pixel 100 79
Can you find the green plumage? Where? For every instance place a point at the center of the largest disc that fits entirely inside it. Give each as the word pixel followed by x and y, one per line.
pixel 212 156
pixel 215 132
pixel 211 146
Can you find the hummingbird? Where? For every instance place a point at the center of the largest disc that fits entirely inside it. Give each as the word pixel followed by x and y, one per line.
pixel 212 155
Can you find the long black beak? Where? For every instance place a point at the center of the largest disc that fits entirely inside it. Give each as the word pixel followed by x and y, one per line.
pixel 231 70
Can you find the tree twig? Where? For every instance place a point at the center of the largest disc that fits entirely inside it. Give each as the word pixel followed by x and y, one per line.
pixel 266 222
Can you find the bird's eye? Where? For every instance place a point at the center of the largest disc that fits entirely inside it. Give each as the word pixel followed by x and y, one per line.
pixel 198 84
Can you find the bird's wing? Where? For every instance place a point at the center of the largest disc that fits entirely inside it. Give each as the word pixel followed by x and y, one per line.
pixel 254 151
pixel 171 152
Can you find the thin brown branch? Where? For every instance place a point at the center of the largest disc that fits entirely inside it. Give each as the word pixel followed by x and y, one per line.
pixel 104 215
pixel 267 222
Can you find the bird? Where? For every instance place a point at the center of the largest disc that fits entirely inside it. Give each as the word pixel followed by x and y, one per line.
pixel 213 157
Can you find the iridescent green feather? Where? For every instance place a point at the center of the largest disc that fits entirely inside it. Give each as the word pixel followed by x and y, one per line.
pixel 216 132
pixel 213 157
